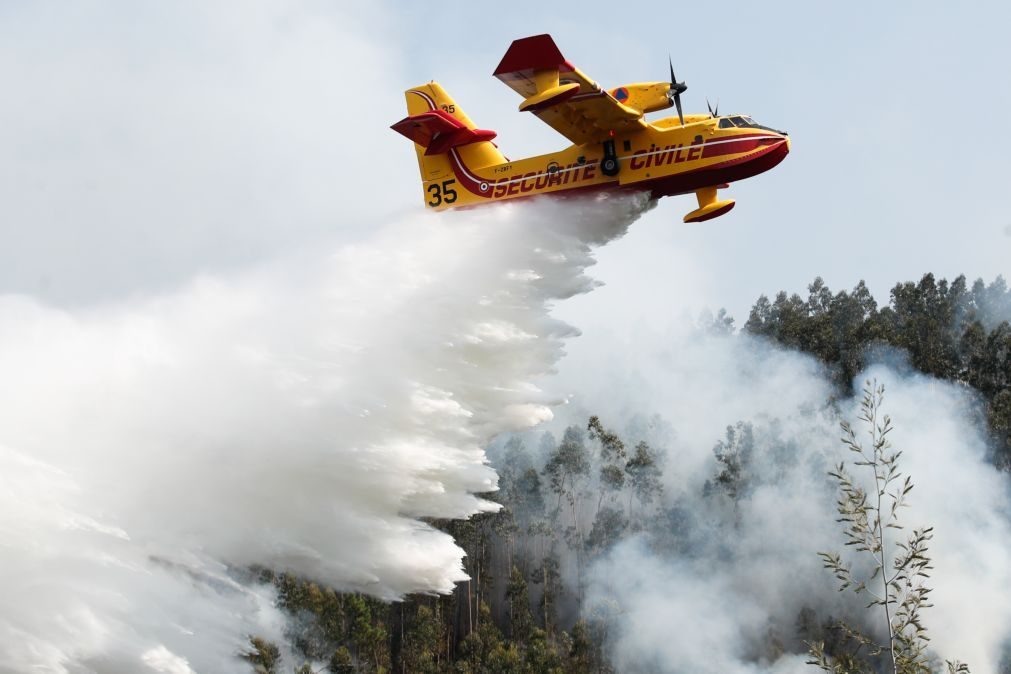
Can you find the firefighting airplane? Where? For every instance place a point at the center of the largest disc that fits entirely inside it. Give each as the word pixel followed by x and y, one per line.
pixel 614 147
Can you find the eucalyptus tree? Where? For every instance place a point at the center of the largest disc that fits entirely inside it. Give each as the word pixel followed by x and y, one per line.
pixel 898 569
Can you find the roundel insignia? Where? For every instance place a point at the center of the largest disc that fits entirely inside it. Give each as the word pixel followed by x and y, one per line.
pixel 483 187
pixel 621 93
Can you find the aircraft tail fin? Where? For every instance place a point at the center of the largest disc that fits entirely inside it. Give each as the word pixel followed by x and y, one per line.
pixel 437 125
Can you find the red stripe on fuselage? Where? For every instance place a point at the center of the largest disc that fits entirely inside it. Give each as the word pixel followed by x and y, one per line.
pixel 729 171
pixel 731 145
pixel 766 151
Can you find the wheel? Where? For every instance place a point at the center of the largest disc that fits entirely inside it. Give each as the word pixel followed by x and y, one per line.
pixel 609 166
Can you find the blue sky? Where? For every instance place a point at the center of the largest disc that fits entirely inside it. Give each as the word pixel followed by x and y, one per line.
pixel 149 142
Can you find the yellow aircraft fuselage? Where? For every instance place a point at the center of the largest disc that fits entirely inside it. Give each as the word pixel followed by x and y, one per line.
pixel 460 166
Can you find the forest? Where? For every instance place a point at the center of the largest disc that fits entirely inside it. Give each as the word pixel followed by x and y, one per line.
pixel 567 501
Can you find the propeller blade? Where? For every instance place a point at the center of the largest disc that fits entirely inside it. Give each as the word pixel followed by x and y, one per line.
pixel 716 112
pixel 676 89
pixel 711 113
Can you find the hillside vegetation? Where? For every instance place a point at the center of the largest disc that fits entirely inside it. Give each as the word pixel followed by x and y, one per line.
pixel 567 501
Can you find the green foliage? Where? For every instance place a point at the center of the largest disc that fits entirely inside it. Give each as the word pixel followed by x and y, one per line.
pixel 869 515
pixel 520 483
pixel 582 652
pixel 948 330
pixel 568 464
pixel 511 615
pixel 644 474
pixel 608 527
pixel 612 449
pixel 832 327
pixel 496 624
pixel 264 656
pixel 548 575
pixel 520 619
pixel 568 469
pixel 341 661
pixel 733 453
pixel 541 655
pixel 422 643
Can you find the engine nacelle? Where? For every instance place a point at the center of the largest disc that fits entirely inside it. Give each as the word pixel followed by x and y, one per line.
pixel 644 96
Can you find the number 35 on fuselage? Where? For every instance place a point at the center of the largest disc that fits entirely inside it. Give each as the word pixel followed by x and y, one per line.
pixel 613 145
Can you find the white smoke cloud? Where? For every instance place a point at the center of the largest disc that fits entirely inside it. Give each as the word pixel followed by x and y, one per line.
pixel 723 602
pixel 146 141
pixel 301 417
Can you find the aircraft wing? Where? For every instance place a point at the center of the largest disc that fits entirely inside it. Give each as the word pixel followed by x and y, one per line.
pixel 557 92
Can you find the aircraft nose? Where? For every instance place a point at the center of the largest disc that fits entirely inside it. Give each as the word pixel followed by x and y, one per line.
pixel 785 137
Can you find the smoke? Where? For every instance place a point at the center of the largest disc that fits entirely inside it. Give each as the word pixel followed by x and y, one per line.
pixel 725 588
pixel 146 142
pixel 301 416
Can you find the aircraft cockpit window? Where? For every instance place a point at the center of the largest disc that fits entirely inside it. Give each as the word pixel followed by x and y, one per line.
pixel 749 121
pixel 740 121
pixel 725 123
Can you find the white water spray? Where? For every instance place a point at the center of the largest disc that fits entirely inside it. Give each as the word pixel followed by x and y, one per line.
pixel 301 417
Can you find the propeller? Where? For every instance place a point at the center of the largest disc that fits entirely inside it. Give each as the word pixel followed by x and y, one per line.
pixel 714 113
pixel 675 91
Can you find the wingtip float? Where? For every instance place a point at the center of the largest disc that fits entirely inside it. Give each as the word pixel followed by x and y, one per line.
pixel 613 145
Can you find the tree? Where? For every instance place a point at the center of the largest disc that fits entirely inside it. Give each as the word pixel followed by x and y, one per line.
pixel 520 621
pixel 897 588
pixel 422 643
pixel 644 476
pixel 548 574
pixel 341 661
pixel 540 657
pixel 947 330
pixel 720 325
pixel 733 453
pixel 612 459
pixel 369 639
pixel 566 470
pixel 264 655
pixel 608 526
pixel 484 651
pixel 524 497
pixel 582 652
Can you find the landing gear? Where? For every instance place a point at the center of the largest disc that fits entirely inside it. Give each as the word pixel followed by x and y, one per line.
pixel 609 164
pixel 709 207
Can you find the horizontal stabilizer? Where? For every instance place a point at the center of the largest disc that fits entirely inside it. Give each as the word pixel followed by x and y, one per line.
pixel 438 131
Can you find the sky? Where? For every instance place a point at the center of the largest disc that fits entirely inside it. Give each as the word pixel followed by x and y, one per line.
pixel 147 143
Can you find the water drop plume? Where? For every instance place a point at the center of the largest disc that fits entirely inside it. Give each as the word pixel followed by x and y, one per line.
pixel 303 416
